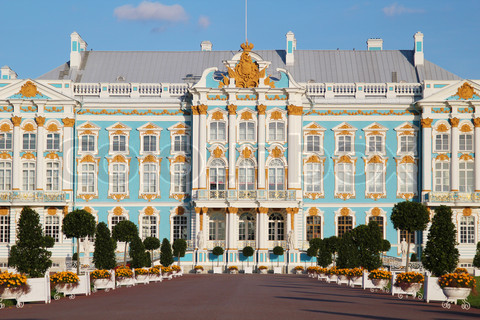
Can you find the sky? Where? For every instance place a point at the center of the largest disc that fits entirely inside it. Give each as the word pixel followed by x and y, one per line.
pixel 35 35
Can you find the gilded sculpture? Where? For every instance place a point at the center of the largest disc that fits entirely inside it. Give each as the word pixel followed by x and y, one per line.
pixel 465 92
pixel 246 73
pixel 29 90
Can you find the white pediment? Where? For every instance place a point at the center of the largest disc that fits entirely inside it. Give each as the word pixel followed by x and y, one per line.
pixel 28 89
pixel 464 90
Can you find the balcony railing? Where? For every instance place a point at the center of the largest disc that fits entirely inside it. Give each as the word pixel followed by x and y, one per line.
pixel 245 195
pixel 130 89
pixel 32 196
pixel 215 243
pixel 218 194
pixel 453 196
pixel 246 243
pixel 363 90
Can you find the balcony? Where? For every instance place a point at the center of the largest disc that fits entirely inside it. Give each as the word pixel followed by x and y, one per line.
pixel 452 197
pixel 233 195
pixel 215 243
pixel 246 243
pixel 32 196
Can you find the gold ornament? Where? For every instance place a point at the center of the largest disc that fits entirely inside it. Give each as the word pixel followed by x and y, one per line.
pixel 246 73
pixel 426 123
pixel 465 92
pixel 29 90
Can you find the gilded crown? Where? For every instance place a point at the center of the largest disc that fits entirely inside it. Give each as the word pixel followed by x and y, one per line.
pixel 247 47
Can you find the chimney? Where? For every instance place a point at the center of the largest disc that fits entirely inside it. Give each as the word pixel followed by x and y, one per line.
pixel 7 73
pixel 77 46
pixel 374 44
pixel 206 45
pixel 291 47
pixel 418 48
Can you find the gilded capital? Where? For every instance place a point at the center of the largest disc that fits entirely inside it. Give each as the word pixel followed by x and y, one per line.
pixel 198 210
pixel 262 210
pixel 232 210
pixel 204 209
pixel 195 110
pixel 68 122
pixel 40 121
pixel 294 110
pixel 232 109
pixel 261 108
pixel 454 122
pixel 476 122
pixel 16 121
pixel 426 123
pixel 202 109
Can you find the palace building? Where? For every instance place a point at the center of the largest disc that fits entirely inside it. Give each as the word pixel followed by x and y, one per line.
pixel 257 148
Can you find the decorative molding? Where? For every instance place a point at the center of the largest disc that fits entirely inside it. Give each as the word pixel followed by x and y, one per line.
pixel 217 153
pixel 476 122
pixel 202 109
pixel 5 156
pixel 29 90
pixel 149 211
pixel 261 108
pixel 344 211
pixel 375 159
pixel 52 211
pixel 52 127
pixel 442 127
pixel 69 123
pixel 28 127
pixel 3 211
pixel 313 159
pixel 87 197
pixel 467 212
pixel 246 73
pixel 276 115
pixel 28 156
pixel 313 195
pixel 344 196
pixel 149 196
pixel 362 113
pixel 247 153
pixel 454 122
pixel 179 196
pixel 375 196
pixel 407 159
pixel 5 127
pixel 406 196
pixel 40 121
pixel 217 115
pixel 246 115
pixel 88 158
pixel 465 92
pixel 232 210
pixel 52 156
pixel 465 128
pixel 442 157
pixel 466 157
pixel 313 211
pixel 376 212
pixel 277 152
pixel 232 109
pixel 426 122
pixel 118 196
pixel 345 159
pixel 16 121
pixel 262 210
pixel 294 110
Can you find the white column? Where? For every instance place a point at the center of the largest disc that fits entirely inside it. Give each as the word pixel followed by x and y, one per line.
pixel 68 154
pixel 230 232
pixel 195 148
pixel 291 212
pixel 232 153
pixel 294 146
pixel 476 122
pixel 40 170
pixel 261 180
pixel 16 164
pixel 202 152
pixel 454 165
pixel 262 227
pixel 426 155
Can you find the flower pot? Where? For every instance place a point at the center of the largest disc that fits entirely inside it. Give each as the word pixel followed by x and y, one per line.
pixel 332 278
pixel 356 281
pixel 233 271
pixel 198 270
pixel 277 270
pixel 411 288
pixel 142 278
pixel 125 282
pixel 342 277
pixel 217 270
pixel 11 293
pixel 101 283
pixel 248 270
pixel 298 271
pixel 263 271
pixel 456 293
pixel 380 283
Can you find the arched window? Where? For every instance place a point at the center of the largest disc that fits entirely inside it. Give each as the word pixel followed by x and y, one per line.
pixel 276 176
pixel 314 227
pixel 467 176
pixel 246 175
pixel 276 227
pixel 345 224
pixel 467 229
pixel 149 226
pixel 217 176
pixel 246 227
pixel 216 226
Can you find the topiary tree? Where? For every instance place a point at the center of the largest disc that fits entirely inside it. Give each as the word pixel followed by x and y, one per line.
pixel 104 253
pixel 476 259
pixel 413 257
pixel 151 243
pixel 386 245
pixel 218 251
pixel 324 257
pixel 138 255
pixel 315 244
pixel 179 248
pixel 29 254
pixel 411 217
pixel 248 252
pixel 125 231
pixel 440 255
pixel 166 256
pixel 78 224
pixel 278 251
pixel 332 244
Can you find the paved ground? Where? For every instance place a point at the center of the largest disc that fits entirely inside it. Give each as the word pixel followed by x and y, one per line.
pixel 238 297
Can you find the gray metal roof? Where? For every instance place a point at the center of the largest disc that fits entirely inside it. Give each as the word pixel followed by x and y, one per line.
pixel 338 66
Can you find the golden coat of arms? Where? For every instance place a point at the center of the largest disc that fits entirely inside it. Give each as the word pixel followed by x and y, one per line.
pixel 246 73
pixel 29 90
pixel 465 91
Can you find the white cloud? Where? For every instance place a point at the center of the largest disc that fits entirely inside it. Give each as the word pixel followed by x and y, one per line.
pixel 204 22
pixel 396 9
pixel 147 10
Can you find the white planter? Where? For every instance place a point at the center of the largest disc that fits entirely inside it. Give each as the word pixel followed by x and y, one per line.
pixel 198 271
pixel 142 278
pixel 456 293
pixel 155 278
pixel 128 282
pixel 83 287
pixel 11 293
pixel 233 271
pixel 217 270
pixel 380 283
pixel 332 278
pixel 263 271
pixel 39 291
pixel 298 271
pixel 248 270
pixel 355 281
pixel 412 289
pixel 103 284
pixel 476 272
pixel 277 270
pixel 432 290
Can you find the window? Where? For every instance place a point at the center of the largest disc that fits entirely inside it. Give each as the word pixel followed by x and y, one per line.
pixel 344 144
pixel 149 178
pixel 217 176
pixel 5 229
pixel 119 178
pixel 467 177
pixel 87 178
pixel 276 227
pixel 53 141
pixel 442 142
pixel 345 224
pixel 410 238
pixel 5 176
pixel 28 176
pixel 375 144
pixel 216 226
pixel 179 227
pixel 379 221
pixel 149 226
pixel 467 230
pixel 88 143
pixel 114 220
pixel 276 131
pixel 313 143
pixel 407 144
pixel 217 130
pixel 406 178
pixel 276 176
pixel 344 177
pixel 53 176
pixel 247 131
pixel 246 227
pixel 179 178
pixel 5 141
pixel 466 142
pixel 375 178
pixel 313 177
pixel 180 143
pixel 29 141
pixel 246 175
pixel 150 143
pixel 442 176
pixel 314 227
pixel 52 227
pixel 119 143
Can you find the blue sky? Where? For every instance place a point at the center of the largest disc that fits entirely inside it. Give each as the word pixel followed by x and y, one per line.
pixel 35 36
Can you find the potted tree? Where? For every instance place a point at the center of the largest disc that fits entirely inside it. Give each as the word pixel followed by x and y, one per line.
pixel 151 243
pixel 125 231
pixel 217 251
pixel 278 251
pixel 247 253
pixel 179 249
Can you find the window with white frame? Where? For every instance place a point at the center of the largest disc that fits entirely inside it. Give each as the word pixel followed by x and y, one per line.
pixel 149 226
pixel 119 178
pixel 217 131
pixel 344 225
pixel 87 143
pixel 53 176
pixel 407 144
pixel 313 143
pixel 180 143
pixel 314 227
pixel 53 141
pixel 466 142
pixel 179 178
pixel 5 229
pixel 246 175
pixel 217 175
pixel 52 227
pixel 375 144
pixel 114 220
pixel 442 176
pixel 246 131
pixel 467 230
pixel 467 176
pixel 276 227
pixel 276 131
pixel 442 142
pixel 380 222
pixel 246 227
pixel 216 226
pixel 313 177
pixel 150 143
pixel 179 227
pixel 276 176
pixel 119 143
pixel 344 177
pixel 375 178
pixel 87 178
pixel 150 178
pixel 344 143
pixel 5 175
pixel 29 141
pixel 406 178
pixel 6 141
pixel 28 171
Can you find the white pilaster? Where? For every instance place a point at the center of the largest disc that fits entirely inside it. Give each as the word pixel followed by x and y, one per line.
pixel 40 172
pixel 232 154
pixel 68 154
pixel 262 228
pixel 202 152
pixel 294 146
pixel 231 227
pixel 261 180
pixel 195 148
pixel 454 165
pixel 16 164
pixel 476 122
pixel 427 155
